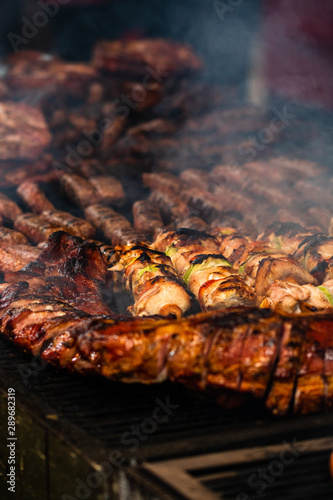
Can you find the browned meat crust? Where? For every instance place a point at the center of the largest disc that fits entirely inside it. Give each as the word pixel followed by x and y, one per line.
pixel 24 133
pixel 133 57
pixel 34 197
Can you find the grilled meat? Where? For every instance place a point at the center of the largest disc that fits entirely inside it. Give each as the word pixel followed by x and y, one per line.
pixel 244 351
pixel 79 190
pixel 22 138
pixel 36 227
pixel 206 272
pixel 9 210
pixel 289 297
pixel 114 226
pixel 148 274
pixel 147 217
pixel 73 225
pixel 9 237
pixel 313 249
pixel 15 256
pixel 34 197
pixel 133 57
pixel 100 189
pixel 39 204
pixel 109 189
pixel 35 70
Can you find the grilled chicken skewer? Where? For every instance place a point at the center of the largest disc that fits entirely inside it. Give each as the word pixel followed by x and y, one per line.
pixel 279 281
pixel 245 351
pixel 207 273
pixel 148 274
pixel 312 248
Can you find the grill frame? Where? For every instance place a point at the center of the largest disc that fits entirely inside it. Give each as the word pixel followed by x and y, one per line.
pixel 73 444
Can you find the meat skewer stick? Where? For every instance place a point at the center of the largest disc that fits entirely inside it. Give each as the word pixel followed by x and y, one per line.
pixel 116 228
pixel 206 272
pixel 148 274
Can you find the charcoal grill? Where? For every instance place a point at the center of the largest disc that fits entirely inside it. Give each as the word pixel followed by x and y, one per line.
pixel 68 426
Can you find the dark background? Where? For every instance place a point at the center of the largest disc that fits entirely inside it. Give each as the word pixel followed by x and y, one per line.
pixel 223 40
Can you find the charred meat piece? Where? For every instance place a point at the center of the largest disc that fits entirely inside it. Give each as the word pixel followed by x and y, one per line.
pixel 34 197
pixel 108 252
pixel 206 272
pixel 148 274
pixel 315 254
pixel 147 217
pixel 287 236
pixel 9 237
pixel 172 206
pixel 114 226
pixel 79 190
pixel 163 58
pixel 310 383
pixel 109 189
pixel 162 181
pixel 73 225
pixel 9 210
pixel 35 70
pixel 260 350
pixel 280 396
pixel 35 227
pixel 195 223
pixel 14 173
pixel 24 133
pixel 289 297
pixel 14 257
